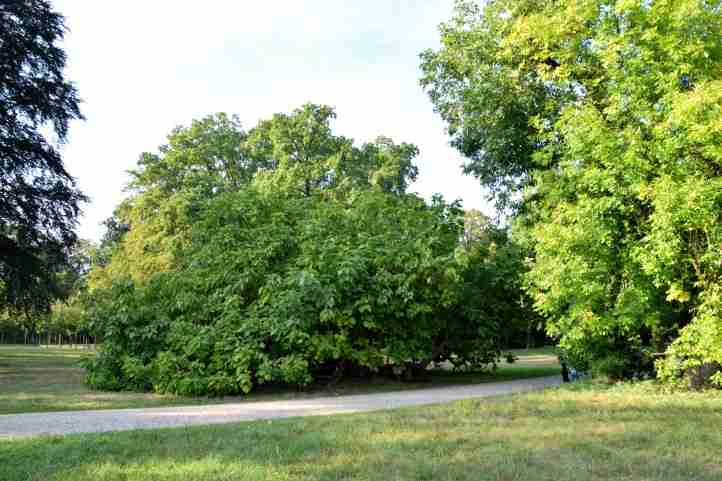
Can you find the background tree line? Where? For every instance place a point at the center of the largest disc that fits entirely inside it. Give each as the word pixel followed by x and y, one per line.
pixel 62 319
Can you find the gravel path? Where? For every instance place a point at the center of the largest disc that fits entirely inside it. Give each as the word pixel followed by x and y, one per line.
pixel 35 424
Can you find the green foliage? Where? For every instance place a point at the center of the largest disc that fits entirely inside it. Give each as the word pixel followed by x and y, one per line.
pixel 67 317
pixel 613 367
pixel 317 265
pixel 293 153
pixel 602 117
pixel 206 156
pixel 39 204
pixel 279 289
pixel 493 284
pixel 694 359
pixel 303 156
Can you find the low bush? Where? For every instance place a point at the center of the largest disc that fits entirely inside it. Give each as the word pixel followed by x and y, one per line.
pixel 694 359
pixel 276 289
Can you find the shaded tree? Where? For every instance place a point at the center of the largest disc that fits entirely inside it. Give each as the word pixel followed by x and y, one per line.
pixel 39 201
pixel 493 284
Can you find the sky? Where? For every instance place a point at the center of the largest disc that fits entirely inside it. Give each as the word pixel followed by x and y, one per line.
pixel 143 67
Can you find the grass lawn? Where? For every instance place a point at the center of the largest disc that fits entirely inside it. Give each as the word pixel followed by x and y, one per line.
pixel 34 379
pixel 577 433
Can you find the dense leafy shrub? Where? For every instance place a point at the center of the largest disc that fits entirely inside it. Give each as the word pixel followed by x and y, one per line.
pixel 294 256
pixel 272 288
pixel 694 360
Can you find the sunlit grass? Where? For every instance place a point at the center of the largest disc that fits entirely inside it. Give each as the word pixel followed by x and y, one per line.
pixel 577 433
pixel 35 379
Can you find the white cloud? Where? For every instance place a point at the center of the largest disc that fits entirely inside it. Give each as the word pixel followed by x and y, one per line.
pixel 143 67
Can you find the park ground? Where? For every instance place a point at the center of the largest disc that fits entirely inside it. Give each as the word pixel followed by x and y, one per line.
pixel 581 432
pixel 41 379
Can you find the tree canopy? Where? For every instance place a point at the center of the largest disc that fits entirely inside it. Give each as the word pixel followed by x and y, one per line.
pixel 289 254
pixel 601 120
pixel 39 201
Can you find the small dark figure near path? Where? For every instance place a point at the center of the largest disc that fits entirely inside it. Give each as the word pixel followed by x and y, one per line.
pixel 565 372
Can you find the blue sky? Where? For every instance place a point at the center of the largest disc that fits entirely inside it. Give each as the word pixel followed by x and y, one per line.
pixel 143 67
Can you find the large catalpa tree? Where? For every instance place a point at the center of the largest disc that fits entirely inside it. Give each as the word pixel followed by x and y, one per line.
pixel 602 120
pixel 38 197
pixel 289 254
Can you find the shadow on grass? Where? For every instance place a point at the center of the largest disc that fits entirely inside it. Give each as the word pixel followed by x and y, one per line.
pixel 562 434
pixel 37 379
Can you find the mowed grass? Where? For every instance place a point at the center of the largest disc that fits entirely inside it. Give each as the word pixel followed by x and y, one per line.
pixel 578 433
pixel 36 379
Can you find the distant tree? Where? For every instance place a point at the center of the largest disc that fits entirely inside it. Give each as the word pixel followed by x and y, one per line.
pixel 476 226
pixel 391 165
pixel 295 153
pixel 205 155
pixel 301 155
pixel 115 230
pixel 39 201
pixel 73 276
pixel 493 286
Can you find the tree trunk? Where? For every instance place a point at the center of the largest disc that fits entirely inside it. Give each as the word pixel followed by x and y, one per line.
pixel 528 335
